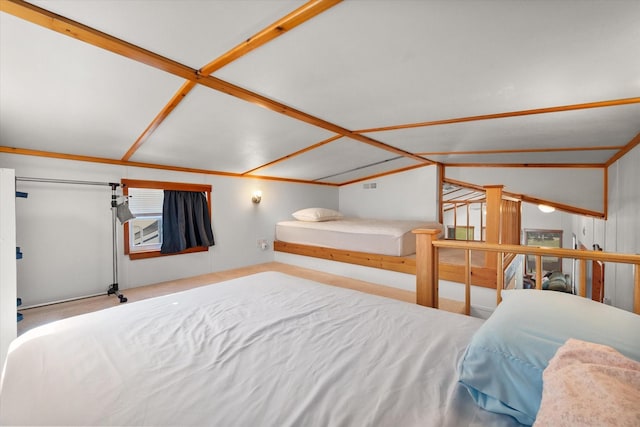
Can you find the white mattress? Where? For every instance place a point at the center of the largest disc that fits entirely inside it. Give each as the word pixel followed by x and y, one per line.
pixel 385 237
pixel 263 350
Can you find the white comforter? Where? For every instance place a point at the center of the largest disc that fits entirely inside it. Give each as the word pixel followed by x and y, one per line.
pixel 263 350
pixel 386 237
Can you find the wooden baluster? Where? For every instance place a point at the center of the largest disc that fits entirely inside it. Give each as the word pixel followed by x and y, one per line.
pixel 582 288
pixel 455 219
pixel 467 282
pixel 500 277
pixel 435 290
pixel 538 272
pixel 468 222
pixel 636 289
pixel 482 238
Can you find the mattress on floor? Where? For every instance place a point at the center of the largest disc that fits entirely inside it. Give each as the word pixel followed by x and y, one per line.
pixel 262 350
pixel 384 237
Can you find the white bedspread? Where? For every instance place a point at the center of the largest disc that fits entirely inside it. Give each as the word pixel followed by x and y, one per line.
pixel 263 350
pixel 386 237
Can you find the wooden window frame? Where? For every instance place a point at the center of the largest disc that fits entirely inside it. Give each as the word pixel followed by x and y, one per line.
pixel 470 229
pixel 161 185
pixel 541 230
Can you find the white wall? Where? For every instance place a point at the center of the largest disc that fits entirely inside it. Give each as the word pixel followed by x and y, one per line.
pixel 622 229
pixel 65 230
pixel 7 262
pixel 409 195
pixel 579 187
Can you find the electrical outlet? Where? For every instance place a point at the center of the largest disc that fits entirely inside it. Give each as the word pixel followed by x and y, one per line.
pixel 263 244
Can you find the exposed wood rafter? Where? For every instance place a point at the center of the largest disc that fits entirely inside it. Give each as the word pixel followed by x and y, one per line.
pixel 295 18
pixel 297 153
pixel 527 165
pixel 92 159
pixel 599 104
pixel 290 21
pixel 530 199
pixel 520 150
pixel 97 38
pixel 562 207
pixel 306 12
pixel 630 146
pixel 391 172
pixel 175 100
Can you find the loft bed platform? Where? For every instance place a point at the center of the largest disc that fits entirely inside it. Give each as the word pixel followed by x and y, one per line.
pixel 397 264
pixel 400 264
pixel 502 223
pixel 451 264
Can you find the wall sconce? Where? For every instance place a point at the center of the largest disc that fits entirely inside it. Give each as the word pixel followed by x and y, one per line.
pixel 257 196
pixel 546 208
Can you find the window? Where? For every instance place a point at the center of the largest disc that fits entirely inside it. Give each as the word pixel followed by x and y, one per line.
pixel 544 238
pixel 460 233
pixel 145 230
pixel 143 234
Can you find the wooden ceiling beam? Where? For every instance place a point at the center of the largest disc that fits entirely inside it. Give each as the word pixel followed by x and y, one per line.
pixel 522 150
pixel 464 184
pixel 281 26
pixel 97 38
pixel 530 199
pixel 572 107
pixel 526 165
pixel 76 30
pixel 163 114
pixel 378 175
pixel 246 95
pixel 297 153
pixel 630 146
pixel 461 197
pixel 103 160
pixel 292 20
pixel 561 206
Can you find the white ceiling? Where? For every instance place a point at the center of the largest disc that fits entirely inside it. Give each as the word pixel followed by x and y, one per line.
pixel 357 67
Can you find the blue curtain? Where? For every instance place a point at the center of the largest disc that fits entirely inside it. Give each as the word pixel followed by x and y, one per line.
pixel 185 221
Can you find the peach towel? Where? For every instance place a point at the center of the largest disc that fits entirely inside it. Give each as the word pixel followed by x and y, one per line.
pixel 587 384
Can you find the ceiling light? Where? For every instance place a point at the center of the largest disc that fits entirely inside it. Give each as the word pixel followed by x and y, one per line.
pixel 546 208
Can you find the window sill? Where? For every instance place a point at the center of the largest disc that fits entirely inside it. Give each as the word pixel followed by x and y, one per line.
pixel 156 253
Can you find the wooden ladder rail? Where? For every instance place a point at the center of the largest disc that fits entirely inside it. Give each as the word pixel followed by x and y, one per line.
pixel 427 245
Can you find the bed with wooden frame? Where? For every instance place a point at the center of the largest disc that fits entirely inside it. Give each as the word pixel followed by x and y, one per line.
pixel 502 225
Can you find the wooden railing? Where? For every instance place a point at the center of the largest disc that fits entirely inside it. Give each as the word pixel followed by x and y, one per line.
pixel 427 246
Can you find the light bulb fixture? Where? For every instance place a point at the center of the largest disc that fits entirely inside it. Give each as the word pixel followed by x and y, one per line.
pixel 546 208
pixel 256 197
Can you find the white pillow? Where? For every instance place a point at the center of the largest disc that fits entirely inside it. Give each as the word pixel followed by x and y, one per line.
pixel 316 214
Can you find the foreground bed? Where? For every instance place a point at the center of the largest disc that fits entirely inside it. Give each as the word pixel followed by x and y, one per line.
pixel 267 349
pixel 275 350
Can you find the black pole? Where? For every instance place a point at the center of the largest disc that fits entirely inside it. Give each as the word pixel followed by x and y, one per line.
pixel 113 289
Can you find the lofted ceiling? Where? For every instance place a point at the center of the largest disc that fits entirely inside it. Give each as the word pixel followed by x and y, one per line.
pixel 327 91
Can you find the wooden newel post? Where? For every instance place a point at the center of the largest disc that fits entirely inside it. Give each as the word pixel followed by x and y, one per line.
pixel 426 267
pixel 493 221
